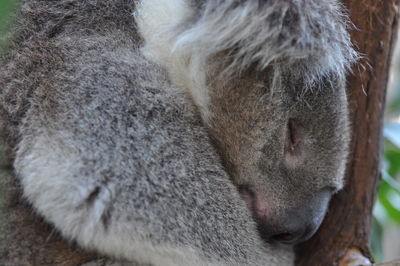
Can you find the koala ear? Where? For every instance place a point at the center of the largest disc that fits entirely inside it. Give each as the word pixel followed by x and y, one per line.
pixel 309 37
pixel 263 32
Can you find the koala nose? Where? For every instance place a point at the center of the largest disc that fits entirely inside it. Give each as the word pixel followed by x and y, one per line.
pixel 292 231
pixel 300 223
pixel 290 225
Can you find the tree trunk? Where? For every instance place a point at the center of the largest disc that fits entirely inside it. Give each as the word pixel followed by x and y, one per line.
pixel 344 236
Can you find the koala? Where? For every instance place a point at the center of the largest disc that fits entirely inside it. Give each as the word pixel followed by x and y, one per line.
pixel 179 132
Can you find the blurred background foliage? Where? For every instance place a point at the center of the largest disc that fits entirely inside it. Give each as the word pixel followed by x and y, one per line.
pixel 6 6
pixel 385 240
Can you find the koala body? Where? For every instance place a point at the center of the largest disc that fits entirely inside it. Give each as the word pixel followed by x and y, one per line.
pixel 179 132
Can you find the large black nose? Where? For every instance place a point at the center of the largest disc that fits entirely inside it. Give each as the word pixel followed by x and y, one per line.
pixel 296 224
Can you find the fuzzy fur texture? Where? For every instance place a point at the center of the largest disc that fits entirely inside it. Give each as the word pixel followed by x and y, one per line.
pixel 309 36
pixel 179 132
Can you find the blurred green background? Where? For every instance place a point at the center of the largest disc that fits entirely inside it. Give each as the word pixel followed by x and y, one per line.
pixel 6 6
pixel 385 240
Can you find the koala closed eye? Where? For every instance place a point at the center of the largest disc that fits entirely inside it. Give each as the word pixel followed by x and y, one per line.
pixel 295 138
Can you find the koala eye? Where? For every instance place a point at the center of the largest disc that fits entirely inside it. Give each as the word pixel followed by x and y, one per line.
pixel 294 137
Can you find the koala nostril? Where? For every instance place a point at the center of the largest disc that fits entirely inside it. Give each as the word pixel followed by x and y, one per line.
pixel 285 237
pixel 288 238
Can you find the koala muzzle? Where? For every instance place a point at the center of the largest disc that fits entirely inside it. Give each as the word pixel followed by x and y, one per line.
pixel 298 224
pixel 288 226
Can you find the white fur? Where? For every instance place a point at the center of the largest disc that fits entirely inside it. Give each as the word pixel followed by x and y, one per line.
pixel 158 22
pixel 246 31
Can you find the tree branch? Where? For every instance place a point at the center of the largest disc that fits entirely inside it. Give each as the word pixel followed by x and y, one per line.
pixel 348 223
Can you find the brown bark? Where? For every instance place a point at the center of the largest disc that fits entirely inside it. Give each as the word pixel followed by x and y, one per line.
pixel 348 223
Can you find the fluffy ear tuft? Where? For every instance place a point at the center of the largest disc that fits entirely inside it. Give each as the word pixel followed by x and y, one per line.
pixel 308 37
pixel 267 31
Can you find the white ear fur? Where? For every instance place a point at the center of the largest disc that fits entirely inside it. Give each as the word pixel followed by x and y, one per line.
pixel 314 44
pixel 158 22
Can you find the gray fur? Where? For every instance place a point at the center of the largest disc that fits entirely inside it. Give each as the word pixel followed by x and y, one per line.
pixel 307 35
pixel 118 158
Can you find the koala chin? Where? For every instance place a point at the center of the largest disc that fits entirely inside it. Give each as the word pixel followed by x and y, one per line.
pixel 180 132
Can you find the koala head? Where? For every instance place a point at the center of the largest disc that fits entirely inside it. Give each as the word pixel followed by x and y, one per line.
pixel 284 146
pixel 268 80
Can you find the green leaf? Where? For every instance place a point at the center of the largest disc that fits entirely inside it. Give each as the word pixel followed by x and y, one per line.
pixel 391 162
pixel 390 200
pixel 393 183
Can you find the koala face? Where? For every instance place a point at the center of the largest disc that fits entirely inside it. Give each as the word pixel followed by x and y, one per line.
pixel 284 146
pixel 282 132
